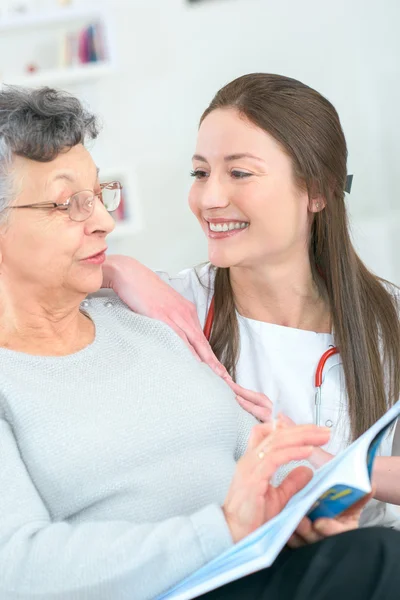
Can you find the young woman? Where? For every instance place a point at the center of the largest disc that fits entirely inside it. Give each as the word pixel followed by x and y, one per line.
pixel 284 291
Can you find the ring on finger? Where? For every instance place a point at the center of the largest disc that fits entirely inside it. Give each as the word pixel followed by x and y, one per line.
pixel 262 453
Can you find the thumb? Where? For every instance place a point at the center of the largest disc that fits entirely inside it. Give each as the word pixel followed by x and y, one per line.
pixel 293 483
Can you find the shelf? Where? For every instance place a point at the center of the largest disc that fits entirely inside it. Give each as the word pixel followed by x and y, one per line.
pixel 30 20
pixel 62 76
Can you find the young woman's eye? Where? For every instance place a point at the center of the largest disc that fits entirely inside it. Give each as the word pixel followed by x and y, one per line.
pixel 240 174
pixel 198 174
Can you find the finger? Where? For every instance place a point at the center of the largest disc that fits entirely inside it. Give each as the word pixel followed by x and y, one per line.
pixel 295 541
pixel 263 467
pixel 350 518
pixel 286 421
pixel 307 532
pixel 204 350
pixel 259 412
pixel 293 483
pixel 202 346
pixel 320 457
pixel 265 437
pixel 183 337
pixel 255 397
pixel 193 351
pixel 183 312
pixel 257 435
pixel 329 527
pixel 281 423
pixel 295 436
pixel 226 377
pixel 188 323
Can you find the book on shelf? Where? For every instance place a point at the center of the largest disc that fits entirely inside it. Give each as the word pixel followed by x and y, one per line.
pixel 84 46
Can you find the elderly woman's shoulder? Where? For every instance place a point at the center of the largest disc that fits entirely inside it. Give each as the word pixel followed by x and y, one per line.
pixel 106 307
pixel 106 304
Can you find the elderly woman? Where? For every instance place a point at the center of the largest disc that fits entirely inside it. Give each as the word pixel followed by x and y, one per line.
pixel 118 449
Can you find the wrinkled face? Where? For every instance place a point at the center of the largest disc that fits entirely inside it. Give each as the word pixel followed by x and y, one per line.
pixel 45 249
pixel 244 194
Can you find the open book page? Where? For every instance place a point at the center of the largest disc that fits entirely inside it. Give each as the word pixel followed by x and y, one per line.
pixel 334 487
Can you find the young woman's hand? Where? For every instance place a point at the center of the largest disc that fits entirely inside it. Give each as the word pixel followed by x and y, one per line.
pixel 251 500
pixel 309 532
pixel 255 403
pixel 146 294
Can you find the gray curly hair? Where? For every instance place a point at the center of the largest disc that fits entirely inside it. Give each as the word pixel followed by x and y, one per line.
pixel 38 124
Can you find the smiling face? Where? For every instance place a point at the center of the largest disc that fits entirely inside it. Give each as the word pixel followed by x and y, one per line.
pixel 44 249
pixel 244 194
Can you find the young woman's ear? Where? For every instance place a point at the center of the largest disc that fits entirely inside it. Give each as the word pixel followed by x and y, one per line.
pixel 317 204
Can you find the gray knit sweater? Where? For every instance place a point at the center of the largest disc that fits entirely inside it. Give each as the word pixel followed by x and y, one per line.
pixel 114 463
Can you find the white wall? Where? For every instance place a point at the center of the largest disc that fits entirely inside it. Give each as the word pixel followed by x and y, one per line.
pixel 172 58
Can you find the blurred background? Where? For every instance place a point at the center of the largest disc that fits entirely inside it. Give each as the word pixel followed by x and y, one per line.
pixel 149 68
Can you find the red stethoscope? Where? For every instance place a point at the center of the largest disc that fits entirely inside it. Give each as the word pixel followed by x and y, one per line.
pixel 318 373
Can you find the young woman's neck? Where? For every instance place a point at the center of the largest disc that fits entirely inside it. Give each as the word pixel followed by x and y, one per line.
pixel 284 293
pixel 42 322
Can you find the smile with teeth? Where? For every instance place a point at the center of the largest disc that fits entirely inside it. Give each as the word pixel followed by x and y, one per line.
pixel 217 227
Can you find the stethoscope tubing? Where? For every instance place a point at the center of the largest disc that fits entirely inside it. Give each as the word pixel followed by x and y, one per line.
pixel 318 373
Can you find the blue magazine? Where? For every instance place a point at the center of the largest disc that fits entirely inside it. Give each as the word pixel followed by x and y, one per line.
pixel 334 488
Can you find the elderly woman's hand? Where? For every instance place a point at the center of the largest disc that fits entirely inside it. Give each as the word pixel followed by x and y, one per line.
pixel 309 532
pixel 319 457
pixel 251 500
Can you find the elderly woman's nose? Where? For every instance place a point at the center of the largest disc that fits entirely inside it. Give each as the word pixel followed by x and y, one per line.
pixel 101 218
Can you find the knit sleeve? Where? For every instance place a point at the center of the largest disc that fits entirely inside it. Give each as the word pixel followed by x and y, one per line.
pixel 45 560
pixel 246 422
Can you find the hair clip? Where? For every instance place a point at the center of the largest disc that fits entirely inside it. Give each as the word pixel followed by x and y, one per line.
pixel 349 182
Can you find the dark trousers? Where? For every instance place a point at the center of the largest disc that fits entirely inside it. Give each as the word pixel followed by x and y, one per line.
pixel 358 565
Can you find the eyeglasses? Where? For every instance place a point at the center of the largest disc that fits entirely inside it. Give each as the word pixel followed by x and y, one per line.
pixel 80 206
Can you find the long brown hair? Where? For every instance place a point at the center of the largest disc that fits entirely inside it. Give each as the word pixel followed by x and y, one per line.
pixel 364 313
